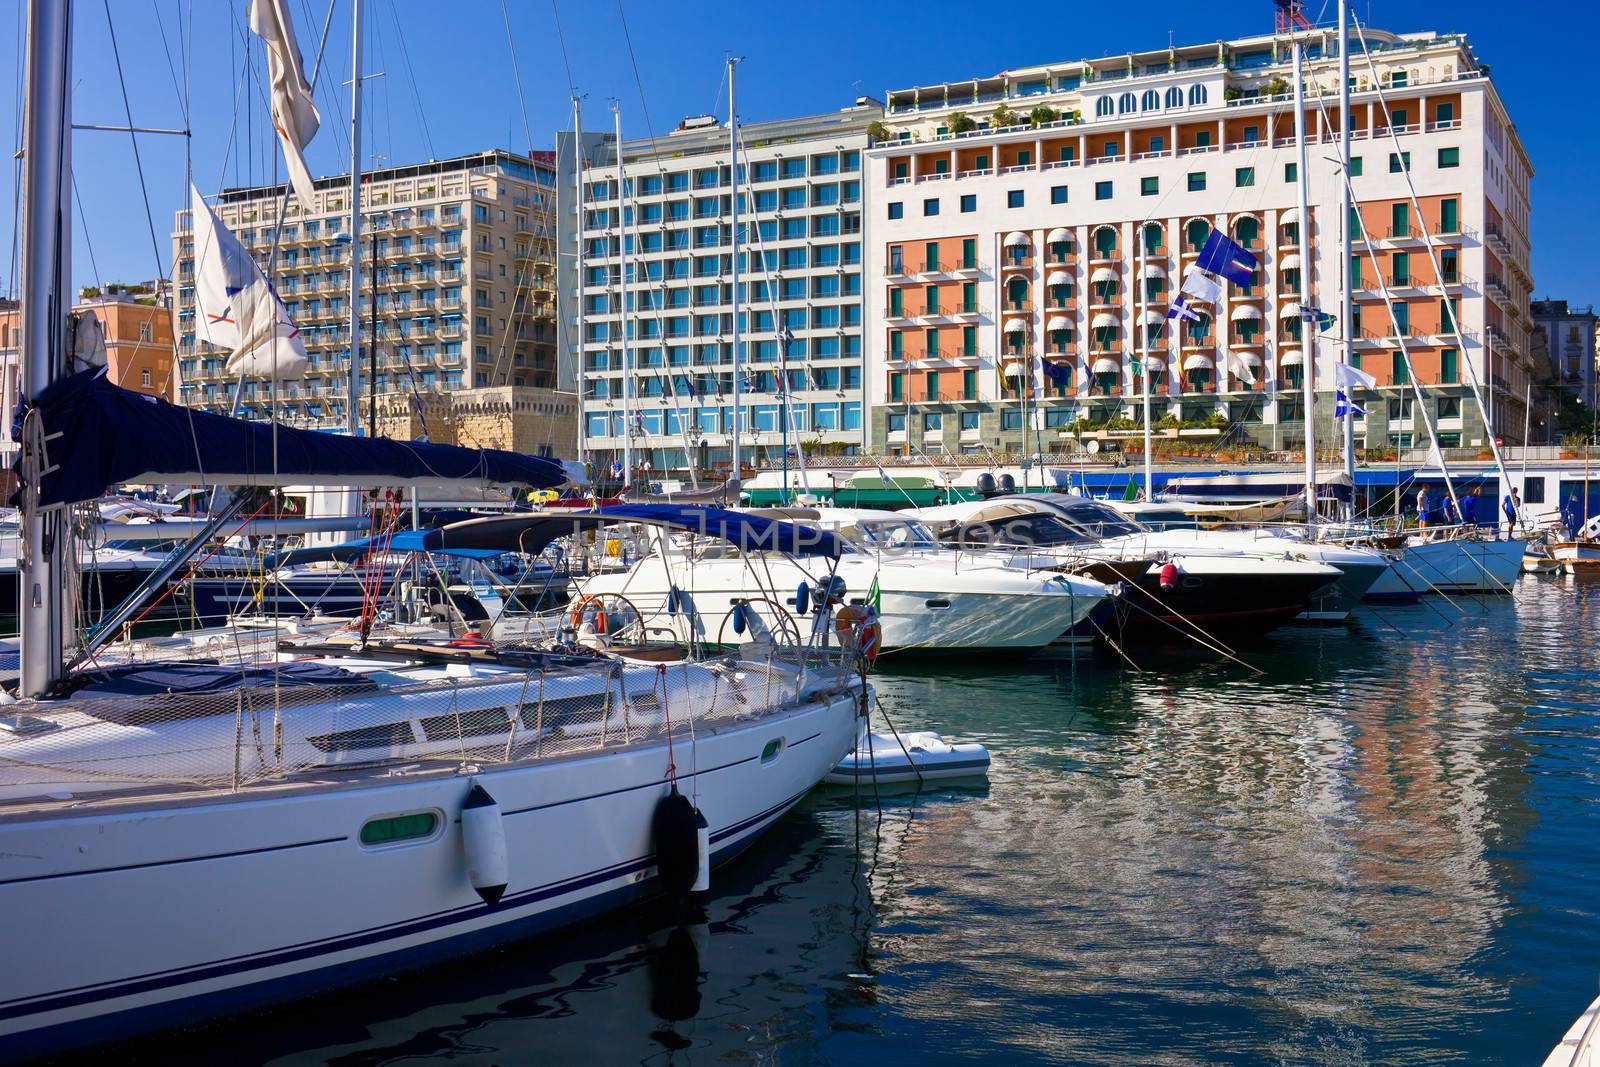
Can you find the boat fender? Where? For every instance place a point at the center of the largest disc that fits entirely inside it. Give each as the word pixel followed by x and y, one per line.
pixel 1169 577
pixel 483 836
pixel 702 839
pixel 802 599
pixel 738 618
pixel 676 829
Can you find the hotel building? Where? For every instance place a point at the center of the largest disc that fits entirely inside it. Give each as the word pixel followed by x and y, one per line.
pixel 1571 346
pixel 800 284
pixel 1007 214
pixel 461 255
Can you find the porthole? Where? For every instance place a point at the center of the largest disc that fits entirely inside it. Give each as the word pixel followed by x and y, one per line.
pixel 398 829
pixel 770 752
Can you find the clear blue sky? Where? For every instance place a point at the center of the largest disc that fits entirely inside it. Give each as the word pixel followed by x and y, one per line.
pixel 800 58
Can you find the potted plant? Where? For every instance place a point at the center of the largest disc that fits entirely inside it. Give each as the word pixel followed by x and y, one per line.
pixel 1042 114
pixel 877 131
pixel 961 122
pixel 1003 116
pixel 1278 86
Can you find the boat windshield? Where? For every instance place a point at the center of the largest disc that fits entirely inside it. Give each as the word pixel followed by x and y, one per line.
pixel 1098 520
pixel 1023 531
pixel 891 533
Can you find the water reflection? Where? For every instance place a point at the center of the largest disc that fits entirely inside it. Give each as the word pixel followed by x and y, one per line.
pixel 1378 849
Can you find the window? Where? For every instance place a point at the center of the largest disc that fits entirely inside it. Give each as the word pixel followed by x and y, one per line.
pixel 897 345
pixel 1103 107
pixel 969 203
pixel 1398 162
pixel 1449 370
pixel 1400 220
pixel 1197 95
pixel 1449 216
pixel 933 421
pixel 1149 186
pixel 931 342
pixel 969 419
pixel 969 253
pixel 897 391
pixel 931 386
pixel 1402 268
pixel 1126 104
pixel 930 298
pixel 1014 198
pixel 1010 419
pixel 1291 172
pixel 1402 369
pixel 897 210
pixel 1151 101
pixel 1355 272
pixel 1252 134
pixel 1355 166
pixel 1102 190
pixel 1197 181
pixel 930 256
pixel 1402 317
pixel 969 340
pixel 1449 157
pixel 1174 97
pixel 1533 490
pixel 1445 112
pixel 144 377
pixel 1202 139
pixel 1058 194
pixel 1244 177
pixel 1398 116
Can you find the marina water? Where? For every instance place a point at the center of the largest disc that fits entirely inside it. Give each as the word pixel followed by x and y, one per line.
pixel 1379 850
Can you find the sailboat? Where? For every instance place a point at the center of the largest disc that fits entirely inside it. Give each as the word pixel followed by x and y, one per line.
pixel 189 839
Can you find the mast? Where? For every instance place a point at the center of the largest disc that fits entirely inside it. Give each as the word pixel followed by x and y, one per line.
pixel 352 414
pixel 627 352
pixel 733 177
pixel 1346 315
pixel 1144 362
pixel 577 182
pixel 1308 325
pixel 46 276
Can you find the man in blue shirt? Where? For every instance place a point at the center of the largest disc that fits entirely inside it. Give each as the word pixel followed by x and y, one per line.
pixel 1512 505
pixel 1469 507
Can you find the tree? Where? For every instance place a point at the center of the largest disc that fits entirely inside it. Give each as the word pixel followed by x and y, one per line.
pixel 1278 86
pixel 877 130
pixel 1003 116
pixel 961 122
pixel 1042 114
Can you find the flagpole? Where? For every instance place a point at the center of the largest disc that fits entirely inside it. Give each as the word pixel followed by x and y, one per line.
pixel 352 414
pixel 737 473
pixel 577 182
pixel 1345 298
pixel 1308 329
pixel 627 352
pixel 1143 337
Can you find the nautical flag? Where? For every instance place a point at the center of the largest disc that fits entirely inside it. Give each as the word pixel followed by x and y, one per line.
pixel 236 307
pixel 1321 319
pixel 1346 376
pixel 1343 405
pixel 1181 310
pixel 1226 258
pixel 1240 368
pixel 787 337
pixel 1202 286
pixel 294 114
pixel 1059 374
pixel 875 595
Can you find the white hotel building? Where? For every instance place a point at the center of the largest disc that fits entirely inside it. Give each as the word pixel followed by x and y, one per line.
pixel 1016 243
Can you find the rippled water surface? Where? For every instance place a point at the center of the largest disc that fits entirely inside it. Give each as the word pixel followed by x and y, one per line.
pixel 1379 850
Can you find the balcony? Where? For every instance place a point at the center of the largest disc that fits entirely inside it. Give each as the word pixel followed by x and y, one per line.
pixel 1497 243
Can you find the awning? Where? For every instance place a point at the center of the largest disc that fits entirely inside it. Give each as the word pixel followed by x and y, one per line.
pixel 1059 277
pixel 1016 326
pixel 1290 262
pixel 1152 270
pixel 1289 311
pixel 99 435
pixel 1289 218
pixel 1012 369
pixel 1106 321
pixel 1198 362
pixel 1154 318
pixel 532 532
pixel 1291 357
pixel 1107 365
pixel 1058 235
pixel 1245 311
pixel 1058 322
pixel 1103 274
pixel 1018 240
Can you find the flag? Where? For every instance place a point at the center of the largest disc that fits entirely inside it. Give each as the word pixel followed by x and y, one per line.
pixel 1227 259
pixel 787 337
pixel 1343 405
pixel 1202 286
pixel 1316 316
pixel 1058 373
pixel 1239 368
pixel 875 595
pixel 294 114
pixel 1346 376
pixel 236 308
pixel 1130 492
pixel 1181 310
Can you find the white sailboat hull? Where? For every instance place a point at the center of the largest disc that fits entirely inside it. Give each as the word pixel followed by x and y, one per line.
pixel 1452 566
pixel 155 914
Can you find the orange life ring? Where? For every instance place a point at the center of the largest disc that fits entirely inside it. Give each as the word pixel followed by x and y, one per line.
pixel 858 628
pixel 601 622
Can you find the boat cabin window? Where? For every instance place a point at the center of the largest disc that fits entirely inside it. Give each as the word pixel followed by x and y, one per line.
pixel 1022 531
pixel 1099 520
pixel 891 533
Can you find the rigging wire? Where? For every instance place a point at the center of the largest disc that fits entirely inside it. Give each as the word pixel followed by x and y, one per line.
pixel 411 77
pixel 516 70
pixel 561 38
pixel 88 243
pixel 183 104
pixel 133 139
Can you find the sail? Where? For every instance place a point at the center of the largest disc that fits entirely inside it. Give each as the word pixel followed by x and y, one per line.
pixel 235 307
pixel 294 115
pixel 98 435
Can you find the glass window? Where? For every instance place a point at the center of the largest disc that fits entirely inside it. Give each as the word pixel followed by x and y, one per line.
pixel 969 203
pixel 1449 157
pixel 1449 215
pixel 1398 162
pixel 1291 172
pixel 1449 370
pixel 1355 166
pixel 1102 190
pixel 1244 177
pixel 1197 181
pixel 897 210
pixel 969 421
pixel 1149 186
pixel 930 206
pixel 1014 198
pixel 1058 194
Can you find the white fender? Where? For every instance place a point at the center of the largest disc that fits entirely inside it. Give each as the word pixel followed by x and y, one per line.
pixel 483 835
pixel 702 878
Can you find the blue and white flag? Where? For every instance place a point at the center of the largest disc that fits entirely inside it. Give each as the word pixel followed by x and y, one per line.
pixel 1322 320
pixel 1343 405
pixel 1180 309
pixel 1227 258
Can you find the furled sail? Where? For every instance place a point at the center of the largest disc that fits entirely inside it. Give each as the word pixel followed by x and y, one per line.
pixel 235 307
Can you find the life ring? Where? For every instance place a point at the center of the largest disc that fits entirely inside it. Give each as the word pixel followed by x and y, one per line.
pixel 858 628
pixel 471 639
pixel 602 624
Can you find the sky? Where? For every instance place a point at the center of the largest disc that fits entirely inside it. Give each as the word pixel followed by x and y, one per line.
pixel 445 85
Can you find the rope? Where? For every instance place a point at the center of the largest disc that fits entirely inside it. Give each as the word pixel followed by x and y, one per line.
pixel 666 711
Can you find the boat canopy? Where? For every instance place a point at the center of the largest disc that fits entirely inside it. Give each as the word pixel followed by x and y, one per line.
pixel 404 541
pixel 98 435
pixel 532 532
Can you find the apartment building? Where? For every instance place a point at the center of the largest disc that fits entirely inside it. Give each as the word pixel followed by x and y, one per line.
pixel 800 286
pixel 137 327
pixel 1008 214
pixel 1570 346
pixel 458 258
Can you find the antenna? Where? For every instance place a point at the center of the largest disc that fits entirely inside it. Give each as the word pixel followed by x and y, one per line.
pixel 1289 15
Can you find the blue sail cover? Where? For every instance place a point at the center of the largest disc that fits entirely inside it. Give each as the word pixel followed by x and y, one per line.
pixel 404 541
pixel 532 532
pixel 98 435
